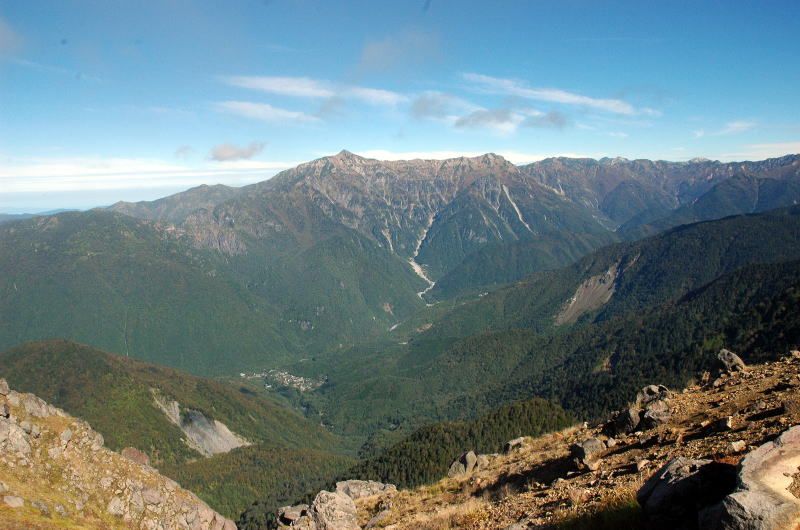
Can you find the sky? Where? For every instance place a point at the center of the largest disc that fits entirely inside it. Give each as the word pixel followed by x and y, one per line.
pixel 106 100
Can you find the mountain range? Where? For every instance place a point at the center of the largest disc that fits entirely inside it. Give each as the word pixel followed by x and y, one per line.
pixel 345 307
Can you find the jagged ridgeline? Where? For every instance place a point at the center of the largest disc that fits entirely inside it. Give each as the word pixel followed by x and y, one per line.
pixel 200 432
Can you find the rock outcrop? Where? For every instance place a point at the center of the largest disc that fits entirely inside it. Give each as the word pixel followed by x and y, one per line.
pixel 55 472
pixel 463 464
pixel 358 489
pixel 766 495
pixel 649 410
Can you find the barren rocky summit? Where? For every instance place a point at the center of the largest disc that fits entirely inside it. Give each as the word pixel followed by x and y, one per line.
pixel 55 472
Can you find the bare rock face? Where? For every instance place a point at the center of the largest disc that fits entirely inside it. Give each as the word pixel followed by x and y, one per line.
pixel 464 464
pixel 52 462
pixel 334 511
pixel 762 499
pixel 357 489
pixel 652 393
pixel 626 421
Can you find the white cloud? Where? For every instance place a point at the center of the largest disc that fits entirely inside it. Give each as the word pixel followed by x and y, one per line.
pixel 699 133
pixel 512 87
pixel 95 173
pixel 286 86
pixel 502 121
pixel 762 151
pixel 226 151
pixel 617 134
pixel 374 96
pixel 316 88
pixel 736 127
pixel 265 111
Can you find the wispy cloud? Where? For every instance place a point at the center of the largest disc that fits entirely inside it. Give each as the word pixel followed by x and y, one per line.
pixel 500 120
pixel 287 86
pixel 440 105
pixel 307 87
pixel 265 112
pixel 513 87
pixel 184 151
pixel 96 173
pixel 736 127
pixel 762 151
pixel 225 152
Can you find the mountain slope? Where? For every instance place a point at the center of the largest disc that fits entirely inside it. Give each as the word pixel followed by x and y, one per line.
pixel 177 207
pixel 473 348
pixel 120 398
pixel 136 288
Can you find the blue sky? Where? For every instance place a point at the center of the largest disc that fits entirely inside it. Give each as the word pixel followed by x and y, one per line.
pixel 108 99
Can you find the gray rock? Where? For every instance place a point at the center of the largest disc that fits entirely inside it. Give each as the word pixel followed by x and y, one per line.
pixel 334 511
pixel 13 399
pixel 357 489
pixel 36 407
pixel 482 462
pixel 4 390
pixel 26 426
pixel 66 436
pixel 289 514
pixel 4 411
pixel 465 463
pixel 152 496
pixel 15 438
pixel 761 500
pixel 653 418
pixel 513 445
pixel 625 422
pixel 652 393
pixel 728 362
pixel 673 497
pixel 13 502
pixel 588 450
pixel 116 507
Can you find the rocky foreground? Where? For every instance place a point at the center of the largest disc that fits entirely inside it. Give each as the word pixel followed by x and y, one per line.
pixel 55 472
pixel 721 454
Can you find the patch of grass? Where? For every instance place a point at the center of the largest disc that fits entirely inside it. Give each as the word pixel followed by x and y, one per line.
pixel 617 512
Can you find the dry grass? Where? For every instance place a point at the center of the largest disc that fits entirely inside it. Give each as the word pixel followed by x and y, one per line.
pixel 449 516
pixel 617 511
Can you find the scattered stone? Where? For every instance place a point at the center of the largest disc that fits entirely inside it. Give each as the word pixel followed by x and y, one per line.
pixel 134 455
pixel 790 406
pixel 152 496
pixel 42 507
pixel 513 445
pixel 723 424
pixel 482 463
pixel 4 411
pixel 357 489
pixel 464 464
pixel 611 442
pixel 642 464
pixel 736 447
pixel 116 507
pixel 334 511
pixel 66 436
pixel 11 500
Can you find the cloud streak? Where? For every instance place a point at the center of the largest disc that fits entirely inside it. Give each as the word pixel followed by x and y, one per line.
pixel 512 87
pixel 264 112
pixel 306 87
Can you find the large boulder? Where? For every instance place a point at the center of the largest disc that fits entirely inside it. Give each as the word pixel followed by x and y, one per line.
pixel 334 511
pixel 728 363
pixel 288 515
pixel 357 489
pixel 656 413
pixel 762 499
pixel 513 445
pixel 134 455
pixel 673 497
pixel 464 464
pixel 626 421
pixel 652 393
pixel 588 450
